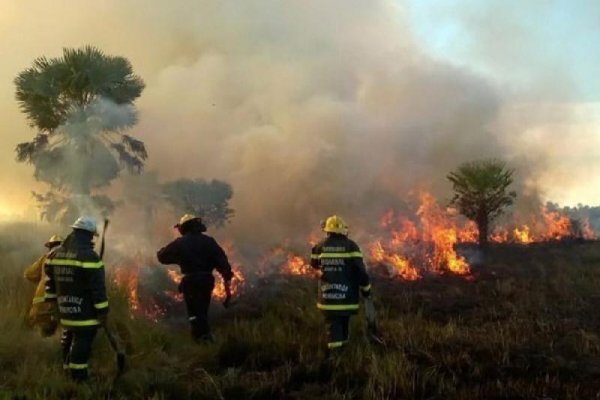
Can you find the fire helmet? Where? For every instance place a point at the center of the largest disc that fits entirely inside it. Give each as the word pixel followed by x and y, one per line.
pixel 335 224
pixel 54 240
pixel 186 218
pixel 86 224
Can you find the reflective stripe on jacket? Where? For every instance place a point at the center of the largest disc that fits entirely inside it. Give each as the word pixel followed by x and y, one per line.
pixel 76 281
pixel 343 272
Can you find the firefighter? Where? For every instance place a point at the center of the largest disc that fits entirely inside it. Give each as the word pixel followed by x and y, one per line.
pixel 76 284
pixel 197 254
pixel 343 276
pixel 40 313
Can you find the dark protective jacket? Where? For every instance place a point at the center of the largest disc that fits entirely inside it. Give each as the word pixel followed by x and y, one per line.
pixel 196 253
pixel 76 281
pixel 343 273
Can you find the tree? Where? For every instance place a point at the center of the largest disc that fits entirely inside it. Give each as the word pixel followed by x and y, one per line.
pixel 208 200
pixel 481 192
pixel 81 104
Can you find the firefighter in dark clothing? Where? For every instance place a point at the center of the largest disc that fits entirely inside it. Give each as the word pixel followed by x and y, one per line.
pixel 197 254
pixel 343 275
pixel 76 284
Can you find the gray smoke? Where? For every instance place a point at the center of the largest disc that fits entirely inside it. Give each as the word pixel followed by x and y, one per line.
pixel 305 107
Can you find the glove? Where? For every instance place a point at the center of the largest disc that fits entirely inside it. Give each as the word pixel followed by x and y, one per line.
pixel 366 293
pixel 227 285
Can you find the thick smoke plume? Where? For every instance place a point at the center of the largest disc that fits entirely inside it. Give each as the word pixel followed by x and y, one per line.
pixel 306 108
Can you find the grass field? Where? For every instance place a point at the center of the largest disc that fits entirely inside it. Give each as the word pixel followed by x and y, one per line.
pixel 526 327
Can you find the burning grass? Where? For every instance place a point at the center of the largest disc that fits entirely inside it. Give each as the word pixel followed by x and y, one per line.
pixel 525 326
pixel 409 246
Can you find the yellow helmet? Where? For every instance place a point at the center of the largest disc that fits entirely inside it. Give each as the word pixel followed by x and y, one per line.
pixel 184 219
pixel 54 239
pixel 335 224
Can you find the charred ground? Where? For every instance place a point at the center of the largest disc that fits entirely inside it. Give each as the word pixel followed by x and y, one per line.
pixel 524 326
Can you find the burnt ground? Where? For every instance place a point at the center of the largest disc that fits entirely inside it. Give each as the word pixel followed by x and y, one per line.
pixel 525 325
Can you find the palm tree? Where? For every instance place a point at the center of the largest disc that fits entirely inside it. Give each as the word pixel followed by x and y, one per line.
pixel 481 192
pixel 81 104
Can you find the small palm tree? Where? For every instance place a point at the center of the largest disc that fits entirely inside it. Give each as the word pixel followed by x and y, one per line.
pixel 81 104
pixel 481 192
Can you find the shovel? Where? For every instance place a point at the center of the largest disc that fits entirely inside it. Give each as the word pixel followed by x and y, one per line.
pixel 114 344
pixel 372 330
pixel 113 339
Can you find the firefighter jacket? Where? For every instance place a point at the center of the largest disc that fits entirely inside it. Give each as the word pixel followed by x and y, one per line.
pixel 343 273
pixel 196 253
pixel 35 274
pixel 76 281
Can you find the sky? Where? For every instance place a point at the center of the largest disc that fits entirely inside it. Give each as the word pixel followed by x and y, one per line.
pixel 372 97
pixel 517 42
pixel 545 52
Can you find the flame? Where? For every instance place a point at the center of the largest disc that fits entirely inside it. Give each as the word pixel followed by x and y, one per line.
pixel 297 265
pixel 399 265
pixel 523 235
pixel 442 232
pixel 425 243
pixel 410 245
pixel 127 277
pixel 287 262
pixel 542 226
pixel 155 302
pixel 558 226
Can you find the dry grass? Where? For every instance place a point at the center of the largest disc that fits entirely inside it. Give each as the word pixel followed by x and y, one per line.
pixel 525 328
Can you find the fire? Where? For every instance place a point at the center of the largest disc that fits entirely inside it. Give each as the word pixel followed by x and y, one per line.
pixel 523 235
pixel 149 305
pixel 558 226
pixel 443 233
pixel 425 243
pixel 410 245
pixel 286 262
pixel 400 265
pixel 237 283
pixel 126 277
pixel 545 225
pixel 152 290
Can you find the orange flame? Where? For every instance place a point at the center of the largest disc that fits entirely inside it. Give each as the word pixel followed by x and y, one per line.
pixel 429 242
pixel 523 235
pixel 400 265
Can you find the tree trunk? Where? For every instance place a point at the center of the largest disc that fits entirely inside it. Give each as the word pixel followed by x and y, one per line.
pixel 483 227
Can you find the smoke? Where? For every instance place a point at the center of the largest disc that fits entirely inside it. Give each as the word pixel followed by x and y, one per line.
pixel 306 108
pixel 306 118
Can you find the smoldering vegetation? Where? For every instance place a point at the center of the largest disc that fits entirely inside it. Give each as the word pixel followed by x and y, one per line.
pixel 523 327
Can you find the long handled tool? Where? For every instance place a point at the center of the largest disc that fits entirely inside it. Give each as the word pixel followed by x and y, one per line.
pixel 372 330
pixel 115 345
pixel 113 339
pixel 103 238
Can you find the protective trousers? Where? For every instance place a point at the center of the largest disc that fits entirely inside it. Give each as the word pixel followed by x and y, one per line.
pixel 77 348
pixel 337 329
pixel 197 290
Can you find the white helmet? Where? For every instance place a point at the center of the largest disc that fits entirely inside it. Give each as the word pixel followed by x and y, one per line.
pixel 86 224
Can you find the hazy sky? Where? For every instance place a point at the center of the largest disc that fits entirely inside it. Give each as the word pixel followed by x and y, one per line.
pixel 278 92
pixel 547 53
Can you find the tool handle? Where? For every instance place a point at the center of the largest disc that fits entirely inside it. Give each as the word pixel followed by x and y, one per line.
pixel 103 240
